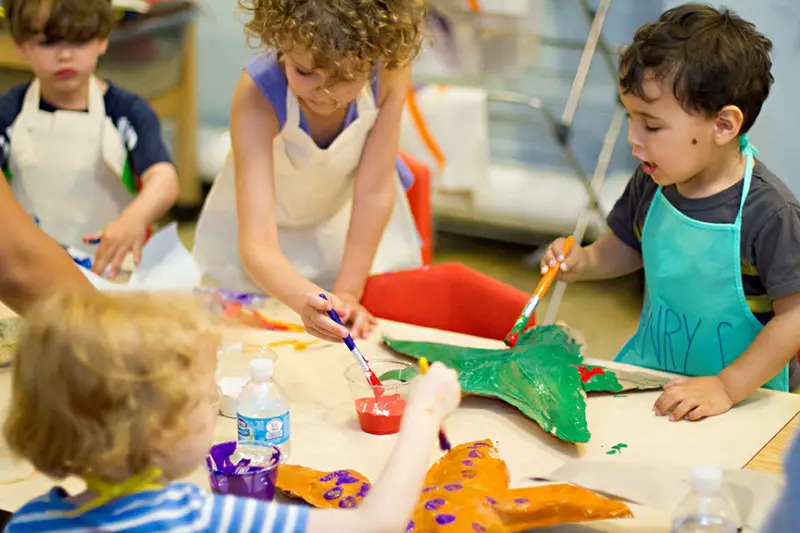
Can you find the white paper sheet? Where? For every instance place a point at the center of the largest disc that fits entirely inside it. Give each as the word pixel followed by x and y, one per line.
pixel 663 487
pixel 166 266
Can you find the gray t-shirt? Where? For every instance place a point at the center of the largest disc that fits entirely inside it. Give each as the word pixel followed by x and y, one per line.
pixel 770 237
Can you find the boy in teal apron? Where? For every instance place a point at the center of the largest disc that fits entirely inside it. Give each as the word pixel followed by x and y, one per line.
pixel 716 232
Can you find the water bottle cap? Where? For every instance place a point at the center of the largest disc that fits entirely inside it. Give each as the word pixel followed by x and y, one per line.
pixel 706 479
pixel 261 368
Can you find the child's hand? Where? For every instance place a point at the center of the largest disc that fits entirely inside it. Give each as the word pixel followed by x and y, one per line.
pixel 318 323
pixel 693 398
pixel 356 316
pixel 437 393
pixel 126 234
pixel 572 265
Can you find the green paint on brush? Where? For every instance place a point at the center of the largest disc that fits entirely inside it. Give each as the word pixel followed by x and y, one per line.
pixel 537 376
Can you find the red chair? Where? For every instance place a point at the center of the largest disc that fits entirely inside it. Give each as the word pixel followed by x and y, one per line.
pixel 419 199
pixel 449 296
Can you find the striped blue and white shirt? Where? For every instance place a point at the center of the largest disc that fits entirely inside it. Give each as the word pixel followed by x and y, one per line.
pixel 179 507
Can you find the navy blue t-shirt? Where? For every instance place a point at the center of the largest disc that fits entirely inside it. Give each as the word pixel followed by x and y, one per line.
pixel 132 115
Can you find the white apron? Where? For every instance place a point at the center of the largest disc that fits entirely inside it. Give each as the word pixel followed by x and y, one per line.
pixel 66 168
pixel 314 197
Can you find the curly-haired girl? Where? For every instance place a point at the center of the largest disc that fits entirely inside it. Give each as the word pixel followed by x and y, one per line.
pixel 312 194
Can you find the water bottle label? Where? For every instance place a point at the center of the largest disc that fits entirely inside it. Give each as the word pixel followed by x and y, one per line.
pixel 264 431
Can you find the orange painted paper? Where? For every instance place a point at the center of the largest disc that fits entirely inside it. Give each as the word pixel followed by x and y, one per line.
pixel 466 490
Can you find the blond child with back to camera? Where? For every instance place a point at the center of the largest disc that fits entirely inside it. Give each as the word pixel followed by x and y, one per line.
pixel 714 229
pixel 312 196
pixel 83 156
pixel 120 391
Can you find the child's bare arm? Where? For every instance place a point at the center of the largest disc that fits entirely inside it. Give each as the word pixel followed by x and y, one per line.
pixel 32 265
pixel 375 187
pixel 390 502
pixel 772 349
pixel 608 257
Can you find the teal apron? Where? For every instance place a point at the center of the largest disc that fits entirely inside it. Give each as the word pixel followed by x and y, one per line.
pixel 695 319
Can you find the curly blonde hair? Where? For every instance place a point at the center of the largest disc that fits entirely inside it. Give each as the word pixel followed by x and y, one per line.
pixel 97 376
pixel 345 38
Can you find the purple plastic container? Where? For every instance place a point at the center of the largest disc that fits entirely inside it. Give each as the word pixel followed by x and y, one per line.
pixel 258 482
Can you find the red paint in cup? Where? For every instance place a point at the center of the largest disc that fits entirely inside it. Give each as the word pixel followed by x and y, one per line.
pixel 382 415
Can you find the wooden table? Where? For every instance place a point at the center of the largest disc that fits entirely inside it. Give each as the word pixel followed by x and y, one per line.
pixel 770 458
pixel 323 415
pixel 178 104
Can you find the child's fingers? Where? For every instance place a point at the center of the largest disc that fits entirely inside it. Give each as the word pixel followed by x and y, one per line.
pixel 684 408
pixel 318 303
pixel 116 261
pixel 668 400
pixel 313 329
pixel 101 259
pixel 674 382
pixel 704 411
pixel 324 323
pixel 137 252
pixel 93 237
pixel 360 327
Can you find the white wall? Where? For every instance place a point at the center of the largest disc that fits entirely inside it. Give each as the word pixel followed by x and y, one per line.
pixel 222 53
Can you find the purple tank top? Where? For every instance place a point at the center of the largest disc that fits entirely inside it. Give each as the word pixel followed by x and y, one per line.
pixel 268 75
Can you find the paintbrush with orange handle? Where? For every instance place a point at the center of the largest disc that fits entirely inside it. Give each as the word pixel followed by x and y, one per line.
pixel 541 288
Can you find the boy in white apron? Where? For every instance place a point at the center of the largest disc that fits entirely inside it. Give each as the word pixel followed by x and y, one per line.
pixel 311 196
pixel 716 232
pixel 84 158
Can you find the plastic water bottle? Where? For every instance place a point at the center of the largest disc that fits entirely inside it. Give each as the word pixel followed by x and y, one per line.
pixel 706 509
pixel 263 416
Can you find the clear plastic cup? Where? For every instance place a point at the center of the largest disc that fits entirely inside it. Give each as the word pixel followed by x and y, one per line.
pixel 233 372
pixel 380 409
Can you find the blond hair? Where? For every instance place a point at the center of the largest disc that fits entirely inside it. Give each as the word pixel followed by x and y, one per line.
pixel 345 38
pixel 96 376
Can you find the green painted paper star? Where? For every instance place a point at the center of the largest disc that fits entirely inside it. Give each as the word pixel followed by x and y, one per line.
pixel 539 376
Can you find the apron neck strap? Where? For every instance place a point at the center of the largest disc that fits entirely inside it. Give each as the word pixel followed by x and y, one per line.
pixel 95 101
pixel 149 479
pixel 749 152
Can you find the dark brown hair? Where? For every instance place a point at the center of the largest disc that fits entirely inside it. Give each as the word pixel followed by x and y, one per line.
pixel 713 58
pixel 59 20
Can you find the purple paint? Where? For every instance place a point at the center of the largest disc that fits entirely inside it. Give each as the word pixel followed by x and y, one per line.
pixel 364 490
pixel 327 478
pixel 334 493
pixel 433 505
pixel 410 526
pixel 348 503
pixel 469 474
pixel 477 527
pixel 491 501
pixel 428 489
pixel 476 454
pixel 454 487
pixel 520 501
pixel 347 480
pixel 444 519
pixel 467 462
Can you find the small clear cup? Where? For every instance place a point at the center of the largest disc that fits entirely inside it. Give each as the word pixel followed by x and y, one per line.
pixel 380 409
